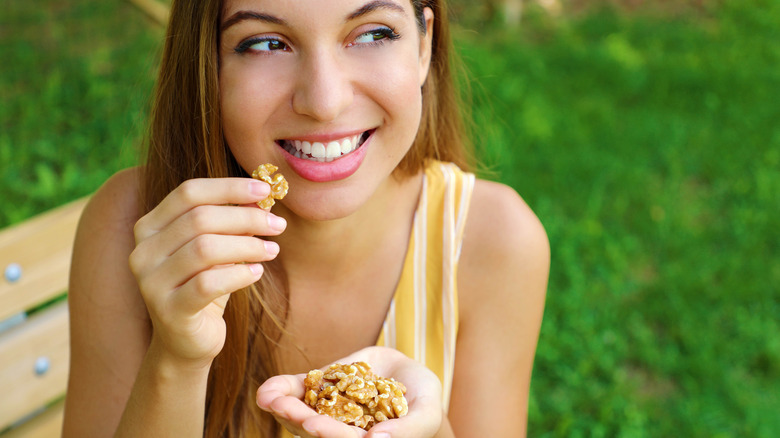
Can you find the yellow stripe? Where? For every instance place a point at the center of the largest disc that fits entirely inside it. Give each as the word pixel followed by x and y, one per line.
pixel 420 274
pixel 435 216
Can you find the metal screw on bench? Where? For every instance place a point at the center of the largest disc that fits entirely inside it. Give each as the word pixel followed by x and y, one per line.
pixel 13 272
pixel 42 365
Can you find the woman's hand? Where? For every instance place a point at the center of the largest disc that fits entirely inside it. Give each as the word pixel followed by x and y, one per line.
pixel 282 396
pixel 192 251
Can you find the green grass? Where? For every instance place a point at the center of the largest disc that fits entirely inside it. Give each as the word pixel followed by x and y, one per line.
pixel 650 147
pixel 648 144
pixel 74 87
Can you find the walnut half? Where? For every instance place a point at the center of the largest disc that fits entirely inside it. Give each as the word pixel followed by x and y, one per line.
pixel 279 186
pixel 354 395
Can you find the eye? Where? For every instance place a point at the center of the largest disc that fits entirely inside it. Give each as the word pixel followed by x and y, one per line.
pixel 266 44
pixel 376 36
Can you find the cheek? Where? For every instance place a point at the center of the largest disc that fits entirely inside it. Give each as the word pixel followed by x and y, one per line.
pixel 247 101
pixel 394 84
pixel 244 110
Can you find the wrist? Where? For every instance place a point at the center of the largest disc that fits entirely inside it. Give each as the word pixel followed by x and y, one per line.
pixel 171 367
pixel 165 388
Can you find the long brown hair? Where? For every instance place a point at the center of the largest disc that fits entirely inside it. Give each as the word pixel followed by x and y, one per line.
pixel 186 141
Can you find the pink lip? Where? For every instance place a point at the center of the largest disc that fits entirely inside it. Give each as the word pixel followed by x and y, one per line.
pixel 338 169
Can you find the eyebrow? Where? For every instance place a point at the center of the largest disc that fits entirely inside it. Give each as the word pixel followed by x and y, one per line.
pixel 251 15
pixel 363 10
pixel 373 6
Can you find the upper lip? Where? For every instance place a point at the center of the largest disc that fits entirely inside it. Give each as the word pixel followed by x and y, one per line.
pixel 325 137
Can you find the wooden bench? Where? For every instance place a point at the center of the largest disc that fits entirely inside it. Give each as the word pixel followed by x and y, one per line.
pixel 35 263
pixel 34 328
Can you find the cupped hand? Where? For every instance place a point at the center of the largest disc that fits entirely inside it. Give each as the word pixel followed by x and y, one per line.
pixel 282 396
pixel 192 251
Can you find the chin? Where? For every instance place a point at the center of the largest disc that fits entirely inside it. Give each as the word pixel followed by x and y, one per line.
pixel 325 202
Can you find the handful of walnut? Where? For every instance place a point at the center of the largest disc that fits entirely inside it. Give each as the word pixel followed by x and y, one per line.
pixel 354 395
pixel 277 182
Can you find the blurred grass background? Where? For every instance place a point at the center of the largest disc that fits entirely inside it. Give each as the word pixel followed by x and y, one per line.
pixel 644 134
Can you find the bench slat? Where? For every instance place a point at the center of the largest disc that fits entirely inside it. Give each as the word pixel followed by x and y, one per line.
pixel 45 334
pixel 42 246
pixel 47 424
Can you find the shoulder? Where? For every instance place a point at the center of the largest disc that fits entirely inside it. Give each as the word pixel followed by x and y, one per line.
pixel 118 199
pixel 105 238
pixel 505 259
pixel 503 239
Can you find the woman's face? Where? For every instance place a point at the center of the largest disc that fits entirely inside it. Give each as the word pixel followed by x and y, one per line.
pixel 328 90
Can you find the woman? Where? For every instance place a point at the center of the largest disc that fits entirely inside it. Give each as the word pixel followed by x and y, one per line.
pixel 222 305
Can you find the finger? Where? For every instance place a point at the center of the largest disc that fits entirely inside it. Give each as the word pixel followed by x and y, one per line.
pixel 413 425
pixel 212 219
pixel 209 285
pixel 280 395
pixel 301 418
pixel 224 219
pixel 205 252
pixel 194 192
pixel 424 415
pixel 280 386
pixel 325 426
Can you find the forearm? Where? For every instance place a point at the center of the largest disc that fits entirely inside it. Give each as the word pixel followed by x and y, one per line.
pixel 167 399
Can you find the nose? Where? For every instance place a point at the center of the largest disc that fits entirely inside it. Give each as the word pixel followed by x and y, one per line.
pixel 324 89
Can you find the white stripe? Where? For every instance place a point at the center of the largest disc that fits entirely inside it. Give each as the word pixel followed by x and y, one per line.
pixel 465 200
pixel 448 237
pixel 389 326
pixel 420 243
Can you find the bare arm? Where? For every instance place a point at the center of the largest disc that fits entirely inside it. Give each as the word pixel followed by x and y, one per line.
pixel 109 325
pixel 502 285
pixel 186 257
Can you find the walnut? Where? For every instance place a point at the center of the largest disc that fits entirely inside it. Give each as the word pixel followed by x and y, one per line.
pixel 279 186
pixel 335 405
pixel 358 389
pixel 313 384
pixel 354 395
pixel 338 371
pixel 390 403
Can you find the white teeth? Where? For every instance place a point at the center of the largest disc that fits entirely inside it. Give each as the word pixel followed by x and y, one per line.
pixel 322 152
pixel 346 147
pixel 318 150
pixel 333 150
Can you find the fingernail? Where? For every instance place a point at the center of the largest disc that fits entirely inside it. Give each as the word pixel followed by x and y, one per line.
pixel 310 431
pixel 256 269
pixel 259 189
pixel 276 223
pixel 271 248
pixel 281 414
pixel 381 435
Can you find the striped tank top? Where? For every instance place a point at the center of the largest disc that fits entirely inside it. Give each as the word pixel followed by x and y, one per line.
pixel 422 321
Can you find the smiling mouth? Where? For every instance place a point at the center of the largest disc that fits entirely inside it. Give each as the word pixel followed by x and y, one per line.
pixel 324 152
